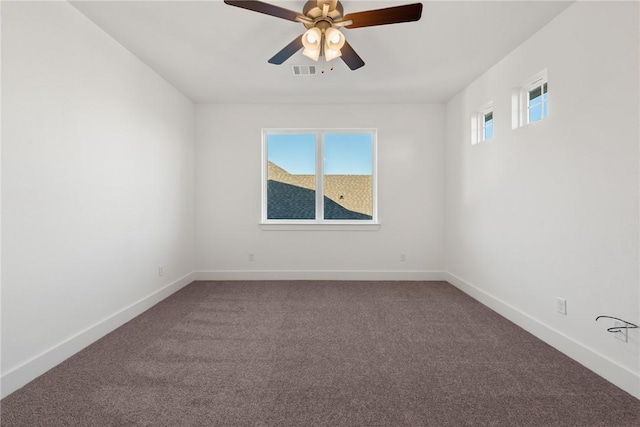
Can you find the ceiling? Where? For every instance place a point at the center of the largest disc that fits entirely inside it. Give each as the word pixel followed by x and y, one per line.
pixel 216 53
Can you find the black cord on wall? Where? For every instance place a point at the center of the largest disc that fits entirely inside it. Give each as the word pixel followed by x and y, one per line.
pixel 614 329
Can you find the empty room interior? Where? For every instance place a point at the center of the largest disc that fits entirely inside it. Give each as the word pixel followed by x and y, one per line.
pixel 320 213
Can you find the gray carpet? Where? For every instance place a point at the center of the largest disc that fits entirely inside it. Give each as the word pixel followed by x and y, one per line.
pixel 316 354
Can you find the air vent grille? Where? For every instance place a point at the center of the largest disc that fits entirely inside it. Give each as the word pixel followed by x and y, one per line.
pixel 303 70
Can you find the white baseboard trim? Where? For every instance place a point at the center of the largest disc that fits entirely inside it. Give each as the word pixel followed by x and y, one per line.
pixel 620 376
pixel 38 365
pixel 319 275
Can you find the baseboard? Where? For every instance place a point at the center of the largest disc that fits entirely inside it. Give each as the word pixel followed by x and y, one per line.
pixel 38 365
pixel 608 369
pixel 620 376
pixel 319 275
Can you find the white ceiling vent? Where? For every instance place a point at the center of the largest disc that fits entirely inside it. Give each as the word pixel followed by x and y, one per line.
pixel 303 70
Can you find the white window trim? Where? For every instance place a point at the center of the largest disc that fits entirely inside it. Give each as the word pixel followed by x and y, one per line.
pixel 520 99
pixel 320 224
pixel 477 123
pixel 484 110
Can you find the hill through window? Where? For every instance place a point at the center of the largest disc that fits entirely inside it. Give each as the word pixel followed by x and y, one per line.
pixel 319 176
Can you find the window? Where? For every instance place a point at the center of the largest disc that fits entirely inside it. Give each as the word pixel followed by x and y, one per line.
pixel 319 176
pixel 487 126
pixel 530 101
pixel 482 124
pixel 537 103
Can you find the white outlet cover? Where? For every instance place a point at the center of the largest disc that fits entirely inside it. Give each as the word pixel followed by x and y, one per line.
pixel 562 306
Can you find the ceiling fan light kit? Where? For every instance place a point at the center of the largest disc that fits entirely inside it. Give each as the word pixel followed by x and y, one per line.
pixel 322 19
pixel 312 42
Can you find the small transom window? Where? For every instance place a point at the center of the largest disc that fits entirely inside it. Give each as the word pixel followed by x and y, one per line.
pixel 531 101
pixel 537 103
pixel 482 124
pixel 487 126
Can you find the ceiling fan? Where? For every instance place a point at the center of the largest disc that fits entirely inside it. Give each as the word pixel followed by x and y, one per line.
pixel 323 20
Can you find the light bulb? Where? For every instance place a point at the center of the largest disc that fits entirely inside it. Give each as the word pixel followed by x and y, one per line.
pixel 333 39
pixel 312 44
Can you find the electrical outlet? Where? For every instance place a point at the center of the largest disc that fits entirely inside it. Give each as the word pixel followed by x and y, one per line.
pixel 252 257
pixel 403 257
pixel 161 271
pixel 623 334
pixel 562 306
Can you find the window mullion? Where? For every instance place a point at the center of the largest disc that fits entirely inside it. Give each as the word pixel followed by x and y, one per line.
pixel 319 176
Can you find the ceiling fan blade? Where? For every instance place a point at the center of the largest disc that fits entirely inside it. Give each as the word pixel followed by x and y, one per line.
pixel 350 57
pixel 390 15
pixel 266 8
pixel 288 50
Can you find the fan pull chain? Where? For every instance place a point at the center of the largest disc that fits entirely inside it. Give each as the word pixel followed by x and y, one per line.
pixel 324 63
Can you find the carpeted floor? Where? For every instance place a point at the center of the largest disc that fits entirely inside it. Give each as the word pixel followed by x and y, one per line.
pixel 316 354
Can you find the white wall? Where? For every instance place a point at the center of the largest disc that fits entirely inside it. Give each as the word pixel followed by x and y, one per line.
pixel 551 210
pixel 410 194
pixel 97 187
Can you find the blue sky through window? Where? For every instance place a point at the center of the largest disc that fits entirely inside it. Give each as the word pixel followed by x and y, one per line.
pixel 345 154
pixel 295 153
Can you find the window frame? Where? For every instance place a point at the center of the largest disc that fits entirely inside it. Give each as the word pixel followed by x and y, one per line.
pixel 521 109
pixel 544 103
pixel 483 129
pixel 319 221
pixel 478 124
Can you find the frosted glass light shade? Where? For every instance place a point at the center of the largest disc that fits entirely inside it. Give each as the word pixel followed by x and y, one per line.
pixel 312 42
pixel 334 40
pixel 330 54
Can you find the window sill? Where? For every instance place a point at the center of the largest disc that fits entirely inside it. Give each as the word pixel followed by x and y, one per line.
pixel 320 227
